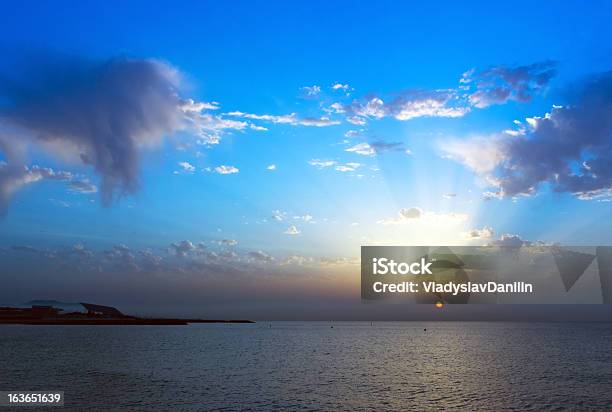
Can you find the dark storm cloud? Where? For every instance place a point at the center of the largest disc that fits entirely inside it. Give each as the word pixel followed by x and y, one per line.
pixel 97 112
pixel 571 148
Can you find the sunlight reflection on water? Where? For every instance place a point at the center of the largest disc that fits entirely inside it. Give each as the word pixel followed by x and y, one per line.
pixel 309 365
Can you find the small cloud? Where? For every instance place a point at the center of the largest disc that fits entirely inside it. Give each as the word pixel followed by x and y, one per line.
pixel 189 105
pixel 347 167
pixel 410 213
pixel 356 120
pixel 353 133
pixel 484 233
pixel 363 149
pixel 371 149
pixel 320 164
pixel 311 91
pixel 317 121
pixel 187 167
pixel 335 108
pixel 258 128
pixel 271 167
pixel 181 248
pixel 340 86
pixel 291 119
pixel 292 230
pixel 226 170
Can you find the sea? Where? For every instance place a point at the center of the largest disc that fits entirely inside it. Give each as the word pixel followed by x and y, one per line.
pixel 331 366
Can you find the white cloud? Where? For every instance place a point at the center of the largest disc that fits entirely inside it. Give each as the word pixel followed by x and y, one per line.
pixel 291 119
pixel 428 107
pixel 208 127
pixel 271 167
pixel 13 178
pixel 226 170
pixel 335 108
pixel 340 86
pixel 317 122
pixel 362 149
pixel 282 119
pixel 356 120
pixel 292 230
pixel 258 128
pixel 414 214
pixel 340 167
pixel 484 233
pixel 311 91
pixel 374 108
pixel 187 167
pixel 189 105
pixel 353 133
pixel 320 164
pixel 347 167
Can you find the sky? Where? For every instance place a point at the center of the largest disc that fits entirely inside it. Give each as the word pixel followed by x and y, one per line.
pixel 225 159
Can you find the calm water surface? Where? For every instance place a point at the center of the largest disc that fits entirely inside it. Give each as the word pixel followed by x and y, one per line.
pixel 311 366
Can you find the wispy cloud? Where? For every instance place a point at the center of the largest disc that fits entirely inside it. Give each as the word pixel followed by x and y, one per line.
pixel 291 119
pixel 311 91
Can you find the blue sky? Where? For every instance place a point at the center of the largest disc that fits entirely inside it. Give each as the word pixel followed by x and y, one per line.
pixel 393 123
